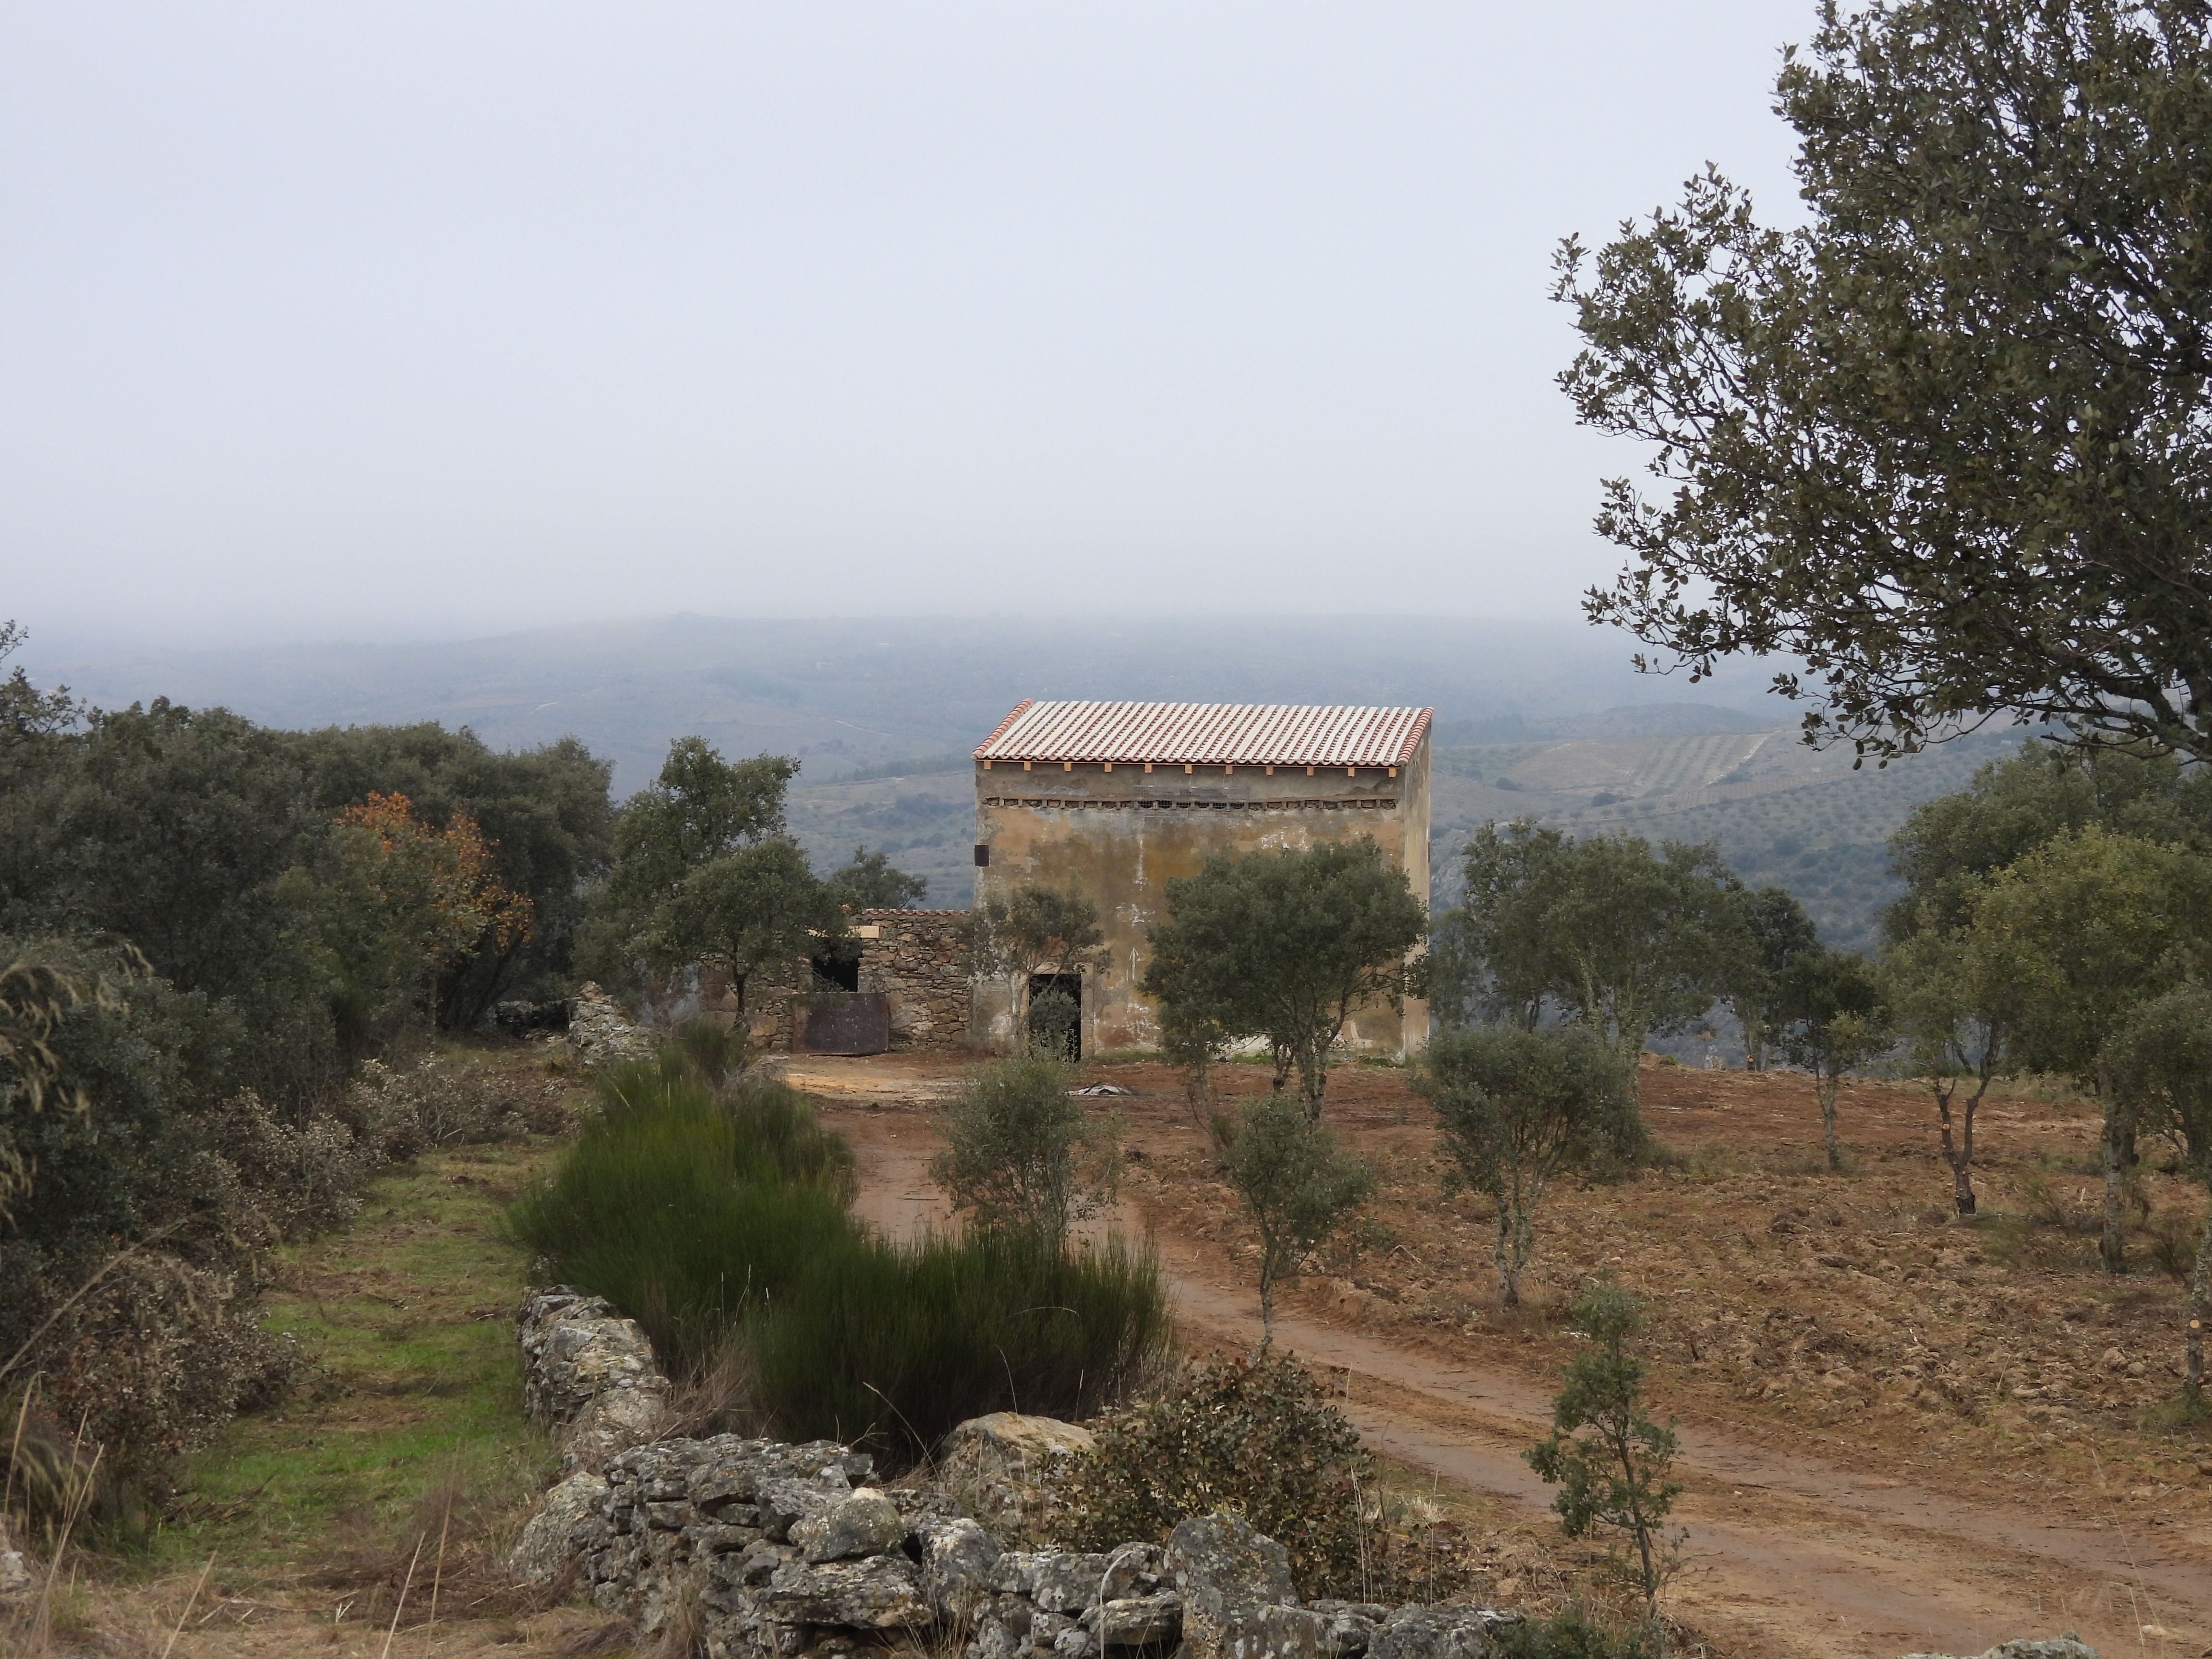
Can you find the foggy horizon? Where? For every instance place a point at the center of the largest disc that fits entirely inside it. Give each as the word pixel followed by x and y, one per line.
pixel 420 324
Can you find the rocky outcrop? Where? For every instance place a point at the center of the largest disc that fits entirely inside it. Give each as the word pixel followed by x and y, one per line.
pixel 1005 1470
pixel 600 1032
pixel 2068 1646
pixel 589 1375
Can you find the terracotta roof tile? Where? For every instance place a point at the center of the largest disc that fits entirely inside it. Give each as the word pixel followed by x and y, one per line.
pixel 1207 733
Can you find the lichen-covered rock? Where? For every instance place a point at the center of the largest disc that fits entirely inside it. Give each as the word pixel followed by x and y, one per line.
pixel 1227 1572
pixel 16 1581
pixel 1437 1632
pixel 589 1375
pixel 567 1521
pixel 1065 1583
pixel 2068 1646
pixel 601 1033
pixel 784 1503
pixel 1005 1468
pixel 1138 1621
pixel 1135 1570
pixel 1348 1627
pixel 882 1592
pixel 865 1523
pixel 957 1559
pixel 1271 1631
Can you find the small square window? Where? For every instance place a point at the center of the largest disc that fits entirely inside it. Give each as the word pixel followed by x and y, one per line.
pixel 982 854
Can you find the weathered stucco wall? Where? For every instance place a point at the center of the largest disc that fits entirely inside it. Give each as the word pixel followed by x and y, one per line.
pixel 1120 834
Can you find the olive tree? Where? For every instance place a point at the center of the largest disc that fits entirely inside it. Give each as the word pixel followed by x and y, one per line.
pixel 1630 940
pixel 1834 1024
pixel 1296 1185
pixel 2098 925
pixel 1609 1458
pixel 1519 1108
pixel 2161 1062
pixel 704 867
pixel 1021 1154
pixel 1945 439
pixel 1775 933
pixel 1286 946
pixel 1954 996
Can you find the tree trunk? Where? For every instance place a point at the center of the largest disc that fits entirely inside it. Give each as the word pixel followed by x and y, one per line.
pixel 2200 1306
pixel 1508 1262
pixel 2112 1248
pixel 1959 1157
pixel 1827 1084
pixel 1313 1079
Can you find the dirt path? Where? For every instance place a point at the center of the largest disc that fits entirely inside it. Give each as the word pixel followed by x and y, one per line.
pixel 1788 1554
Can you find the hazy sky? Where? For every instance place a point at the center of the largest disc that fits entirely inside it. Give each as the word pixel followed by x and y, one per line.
pixel 393 319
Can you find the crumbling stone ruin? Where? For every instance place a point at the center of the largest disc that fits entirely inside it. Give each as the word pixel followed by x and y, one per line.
pixel 600 1032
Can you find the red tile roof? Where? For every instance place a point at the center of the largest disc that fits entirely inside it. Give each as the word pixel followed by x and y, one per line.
pixel 1207 733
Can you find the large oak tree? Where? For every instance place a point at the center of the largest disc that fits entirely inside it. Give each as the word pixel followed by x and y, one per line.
pixel 1947 440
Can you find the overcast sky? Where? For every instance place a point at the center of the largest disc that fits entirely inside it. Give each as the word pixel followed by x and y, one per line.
pixel 390 320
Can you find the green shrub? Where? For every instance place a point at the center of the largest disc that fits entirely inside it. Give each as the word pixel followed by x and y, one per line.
pixel 1021 1153
pixel 1573 1633
pixel 713 1051
pixel 1260 1439
pixel 719 1225
pixel 684 1211
pixel 895 1344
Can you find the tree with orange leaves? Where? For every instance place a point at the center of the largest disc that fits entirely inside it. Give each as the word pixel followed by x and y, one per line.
pixel 396 900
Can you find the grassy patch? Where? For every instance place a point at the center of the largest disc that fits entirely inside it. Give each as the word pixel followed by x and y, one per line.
pixel 409 1312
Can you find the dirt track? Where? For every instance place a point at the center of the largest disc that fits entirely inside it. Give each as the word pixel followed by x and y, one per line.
pixel 1788 1554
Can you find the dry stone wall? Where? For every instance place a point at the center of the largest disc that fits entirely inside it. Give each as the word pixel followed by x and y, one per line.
pixel 600 1032
pixel 915 960
pixel 772 1551
pixel 763 1550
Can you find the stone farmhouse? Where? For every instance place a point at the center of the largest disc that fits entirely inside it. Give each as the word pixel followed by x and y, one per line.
pixel 1115 799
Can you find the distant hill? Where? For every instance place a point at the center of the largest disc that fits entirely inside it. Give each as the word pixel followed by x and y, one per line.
pixel 1544 719
pixel 1779 812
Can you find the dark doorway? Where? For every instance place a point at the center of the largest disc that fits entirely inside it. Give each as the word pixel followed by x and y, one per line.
pixel 1056 1018
pixel 844 972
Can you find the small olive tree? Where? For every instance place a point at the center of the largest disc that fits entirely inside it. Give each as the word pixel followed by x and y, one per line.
pixel 1954 994
pixel 1286 947
pixel 1606 1453
pixel 1518 1108
pixel 1021 1154
pixel 1297 1186
pixel 1836 1023
pixel 2160 1064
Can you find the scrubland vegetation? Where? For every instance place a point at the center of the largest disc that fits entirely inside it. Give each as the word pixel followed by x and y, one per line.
pixel 718 1219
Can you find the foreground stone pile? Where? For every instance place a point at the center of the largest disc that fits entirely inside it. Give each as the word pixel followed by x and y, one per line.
pixel 773 1549
pixel 756 1549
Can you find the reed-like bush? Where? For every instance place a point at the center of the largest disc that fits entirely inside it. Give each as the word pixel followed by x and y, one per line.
pixel 719 1223
pixel 895 1344
pixel 684 1211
